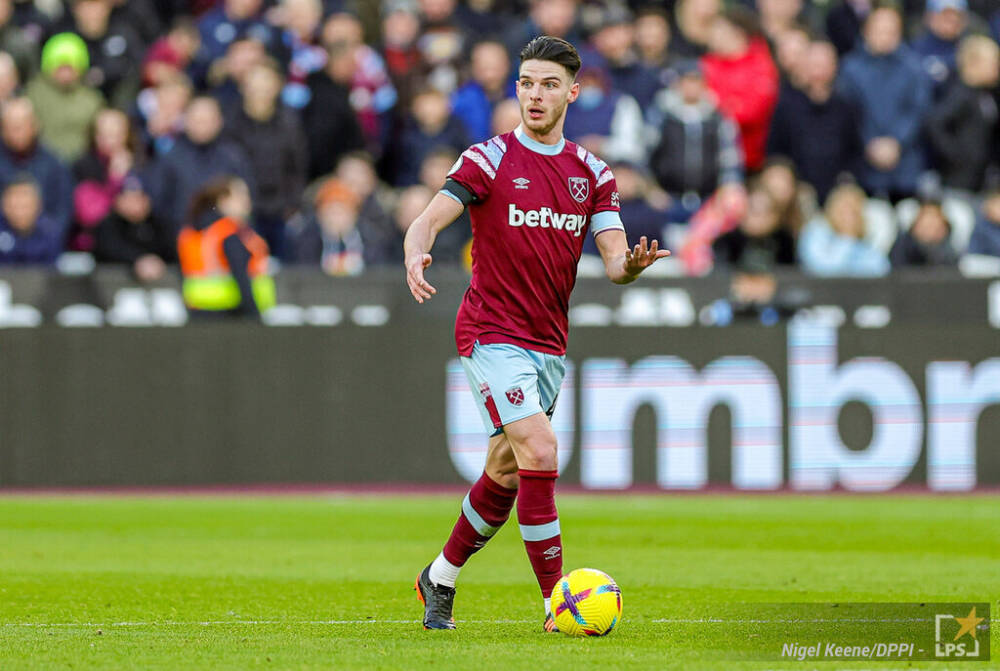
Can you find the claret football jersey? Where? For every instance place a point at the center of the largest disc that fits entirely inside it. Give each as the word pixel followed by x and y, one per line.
pixel 531 205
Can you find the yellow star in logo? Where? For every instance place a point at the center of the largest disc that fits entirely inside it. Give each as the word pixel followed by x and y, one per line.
pixel 968 624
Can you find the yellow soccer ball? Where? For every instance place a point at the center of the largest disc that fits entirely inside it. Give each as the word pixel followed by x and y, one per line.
pixel 586 602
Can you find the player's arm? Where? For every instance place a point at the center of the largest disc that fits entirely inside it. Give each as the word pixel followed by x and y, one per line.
pixel 623 265
pixel 439 213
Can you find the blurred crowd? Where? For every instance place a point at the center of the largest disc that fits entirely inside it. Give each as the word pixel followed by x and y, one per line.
pixel 846 139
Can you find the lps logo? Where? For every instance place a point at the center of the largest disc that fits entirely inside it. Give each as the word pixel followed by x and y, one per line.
pixel 958 646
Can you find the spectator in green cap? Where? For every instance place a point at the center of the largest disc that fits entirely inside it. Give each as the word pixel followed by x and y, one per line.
pixel 66 107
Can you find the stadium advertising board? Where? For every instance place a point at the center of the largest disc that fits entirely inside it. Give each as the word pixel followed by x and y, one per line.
pixel 785 422
pixel 380 400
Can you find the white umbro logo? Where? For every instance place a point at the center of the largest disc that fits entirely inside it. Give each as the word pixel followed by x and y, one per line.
pixel 521 183
pixel 552 552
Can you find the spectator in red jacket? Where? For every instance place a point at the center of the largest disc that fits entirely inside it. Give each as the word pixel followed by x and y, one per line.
pixel 739 70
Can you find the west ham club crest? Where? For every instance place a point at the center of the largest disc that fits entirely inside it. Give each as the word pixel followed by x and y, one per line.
pixel 515 396
pixel 579 188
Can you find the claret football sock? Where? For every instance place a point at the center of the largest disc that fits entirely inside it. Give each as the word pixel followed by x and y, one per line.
pixel 536 513
pixel 484 510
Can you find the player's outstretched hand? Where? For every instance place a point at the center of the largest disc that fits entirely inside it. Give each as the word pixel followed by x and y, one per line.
pixel 419 287
pixel 640 258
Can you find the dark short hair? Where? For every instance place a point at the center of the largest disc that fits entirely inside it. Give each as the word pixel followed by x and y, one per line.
pixel 653 10
pixel 23 179
pixel 743 19
pixel 208 196
pixel 555 49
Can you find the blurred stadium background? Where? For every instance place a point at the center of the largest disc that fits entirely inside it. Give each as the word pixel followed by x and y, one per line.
pixel 831 166
pixel 825 172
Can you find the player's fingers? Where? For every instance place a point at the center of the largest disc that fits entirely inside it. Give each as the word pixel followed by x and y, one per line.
pixel 416 294
pixel 423 285
pixel 416 281
pixel 416 271
pixel 642 243
pixel 663 253
pixel 652 247
pixel 413 291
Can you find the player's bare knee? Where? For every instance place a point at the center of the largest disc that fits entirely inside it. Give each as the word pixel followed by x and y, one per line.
pixel 539 454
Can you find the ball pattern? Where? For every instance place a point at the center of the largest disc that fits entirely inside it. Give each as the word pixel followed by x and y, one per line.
pixel 586 602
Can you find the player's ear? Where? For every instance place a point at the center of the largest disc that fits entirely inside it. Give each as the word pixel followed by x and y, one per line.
pixel 574 91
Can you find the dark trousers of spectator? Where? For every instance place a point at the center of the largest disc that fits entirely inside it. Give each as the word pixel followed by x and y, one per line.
pixel 271 227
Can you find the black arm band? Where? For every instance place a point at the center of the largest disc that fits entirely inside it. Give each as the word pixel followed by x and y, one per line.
pixel 459 191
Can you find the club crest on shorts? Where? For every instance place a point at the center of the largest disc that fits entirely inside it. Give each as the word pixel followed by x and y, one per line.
pixel 579 188
pixel 515 395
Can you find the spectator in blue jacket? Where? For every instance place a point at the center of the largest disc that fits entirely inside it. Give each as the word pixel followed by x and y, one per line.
pixel 490 82
pixel 22 152
pixel 884 79
pixel 946 22
pixel 26 234
pixel 430 126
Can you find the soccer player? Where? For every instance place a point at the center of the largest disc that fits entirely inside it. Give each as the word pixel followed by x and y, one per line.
pixel 531 196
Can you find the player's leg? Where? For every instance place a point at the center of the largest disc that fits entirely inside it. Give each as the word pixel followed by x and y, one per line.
pixel 485 509
pixel 534 444
pixel 490 500
pixel 536 449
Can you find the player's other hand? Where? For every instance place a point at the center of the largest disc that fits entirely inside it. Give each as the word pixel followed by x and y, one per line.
pixel 419 287
pixel 640 258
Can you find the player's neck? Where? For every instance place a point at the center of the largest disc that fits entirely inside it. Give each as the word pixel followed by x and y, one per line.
pixel 554 136
pixel 551 143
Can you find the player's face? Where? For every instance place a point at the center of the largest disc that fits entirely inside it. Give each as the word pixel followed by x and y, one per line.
pixel 544 89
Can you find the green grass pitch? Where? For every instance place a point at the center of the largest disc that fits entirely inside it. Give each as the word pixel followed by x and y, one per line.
pixel 325 582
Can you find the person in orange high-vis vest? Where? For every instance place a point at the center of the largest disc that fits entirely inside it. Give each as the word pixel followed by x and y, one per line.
pixel 224 263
